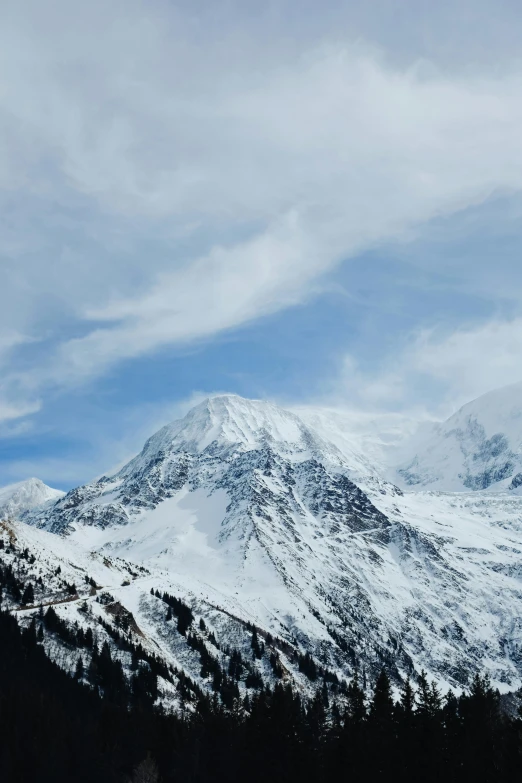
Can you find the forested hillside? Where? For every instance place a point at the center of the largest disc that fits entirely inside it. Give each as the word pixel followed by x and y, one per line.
pixel 54 728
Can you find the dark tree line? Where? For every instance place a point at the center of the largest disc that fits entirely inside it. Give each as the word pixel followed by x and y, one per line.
pixel 101 723
pixel 54 727
pixel 102 670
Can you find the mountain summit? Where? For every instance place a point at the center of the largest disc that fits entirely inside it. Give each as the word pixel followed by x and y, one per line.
pixel 25 495
pixel 234 420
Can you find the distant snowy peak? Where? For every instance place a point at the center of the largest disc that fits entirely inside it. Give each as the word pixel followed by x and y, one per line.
pixel 23 496
pixel 479 447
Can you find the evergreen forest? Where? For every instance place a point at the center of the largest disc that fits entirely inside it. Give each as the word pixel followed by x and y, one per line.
pixel 95 726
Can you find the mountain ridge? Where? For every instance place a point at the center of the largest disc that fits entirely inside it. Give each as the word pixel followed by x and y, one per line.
pixel 245 506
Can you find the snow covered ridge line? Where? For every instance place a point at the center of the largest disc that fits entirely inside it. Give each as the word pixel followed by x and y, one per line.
pixel 243 508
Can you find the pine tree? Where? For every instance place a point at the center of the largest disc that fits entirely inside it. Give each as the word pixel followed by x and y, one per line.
pixel 78 673
pixel 356 703
pixel 429 728
pixel 28 595
pixel 407 701
pixel 382 728
pixel 89 638
pixel 452 721
pixel 480 710
pixel 381 706
pixel 405 726
pixel 256 649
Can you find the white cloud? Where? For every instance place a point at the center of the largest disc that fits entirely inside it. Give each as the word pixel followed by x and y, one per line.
pixel 272 165
pixel 472 361
pixel 10 409
pixel 436 372
pixel 13 406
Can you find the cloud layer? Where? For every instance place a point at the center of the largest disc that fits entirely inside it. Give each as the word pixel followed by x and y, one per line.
pixel 167 176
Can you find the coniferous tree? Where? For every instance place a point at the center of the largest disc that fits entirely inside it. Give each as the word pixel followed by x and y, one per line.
pixel 482 721
pixel 407 702
pixel 381 726
pixel 429 729
pixel 256 647
pixel 357 712
pixel 381 706
pixel 405 727
pixel 28 595
pixel 78 673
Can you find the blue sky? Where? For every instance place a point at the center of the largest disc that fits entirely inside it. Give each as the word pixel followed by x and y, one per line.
pixel 315 208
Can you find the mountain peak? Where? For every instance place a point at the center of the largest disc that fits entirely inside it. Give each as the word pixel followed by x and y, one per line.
pixel 478 447
pixel 25 495
pixel 247 422
pixel 229 420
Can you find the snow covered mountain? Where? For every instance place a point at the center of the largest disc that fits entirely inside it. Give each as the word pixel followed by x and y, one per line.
pixel 240 500
pixel 479 447
pixel 25 495
pixel 251 517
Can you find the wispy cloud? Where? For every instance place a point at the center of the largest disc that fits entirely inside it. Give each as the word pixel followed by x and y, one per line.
pixel 435 371
pixel 177 183
pixel 471 361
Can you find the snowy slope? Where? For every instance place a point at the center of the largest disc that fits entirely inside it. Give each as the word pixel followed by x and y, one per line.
pixel 373 444
pixel 25 495
pixel 243 506
pixel 479 447
pixel 91 590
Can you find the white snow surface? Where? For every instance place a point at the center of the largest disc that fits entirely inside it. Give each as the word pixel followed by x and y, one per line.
pixel 25 495
pixel 373 444
pixel 230 420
